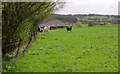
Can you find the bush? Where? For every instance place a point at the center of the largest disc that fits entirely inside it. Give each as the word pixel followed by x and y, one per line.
pixel 20 22
pixel 91 23
pixel 78 24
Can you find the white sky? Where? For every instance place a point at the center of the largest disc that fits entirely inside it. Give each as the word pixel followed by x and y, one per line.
pixel 90 7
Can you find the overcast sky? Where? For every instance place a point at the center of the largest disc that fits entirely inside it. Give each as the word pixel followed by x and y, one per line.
pixel 90 7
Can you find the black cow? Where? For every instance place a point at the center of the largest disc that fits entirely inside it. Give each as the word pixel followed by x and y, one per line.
pixel 40 30
pixel 69 28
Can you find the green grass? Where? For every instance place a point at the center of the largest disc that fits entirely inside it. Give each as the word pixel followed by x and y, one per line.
pixel 100 17
pixel 85 49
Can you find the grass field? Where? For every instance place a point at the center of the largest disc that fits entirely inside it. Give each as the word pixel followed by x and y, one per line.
pixel 85 49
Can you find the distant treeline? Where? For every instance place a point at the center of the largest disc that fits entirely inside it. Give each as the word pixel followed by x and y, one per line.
pixel 85 19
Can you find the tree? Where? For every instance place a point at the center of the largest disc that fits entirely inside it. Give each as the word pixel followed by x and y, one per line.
pixel 20 21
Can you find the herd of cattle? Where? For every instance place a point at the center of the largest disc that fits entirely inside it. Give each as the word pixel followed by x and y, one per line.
pixel 46 28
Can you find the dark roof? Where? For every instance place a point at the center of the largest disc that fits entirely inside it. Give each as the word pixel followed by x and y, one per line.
pixel 53 23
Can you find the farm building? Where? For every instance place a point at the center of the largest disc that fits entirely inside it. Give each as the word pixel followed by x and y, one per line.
pixel 53 24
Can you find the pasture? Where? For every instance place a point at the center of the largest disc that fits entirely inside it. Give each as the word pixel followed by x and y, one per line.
pixel 84 49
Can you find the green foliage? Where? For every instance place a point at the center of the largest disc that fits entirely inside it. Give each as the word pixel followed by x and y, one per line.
pixel 85 49
pixel 20 21
pixel 78 24
pixel 7 67
pixel 91 23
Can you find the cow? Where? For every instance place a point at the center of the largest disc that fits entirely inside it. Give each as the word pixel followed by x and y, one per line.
pixel 69 28
pixel 46 28
pixel 40 29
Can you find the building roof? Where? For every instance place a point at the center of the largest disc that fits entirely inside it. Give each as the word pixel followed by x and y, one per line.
pixel 52 23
